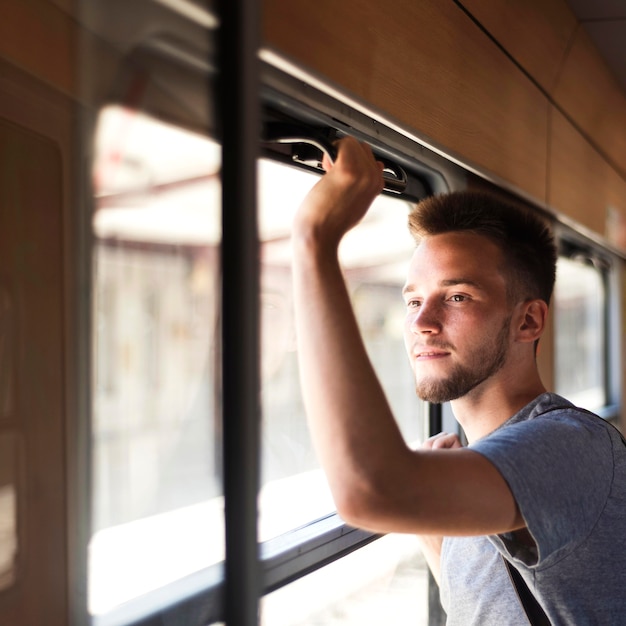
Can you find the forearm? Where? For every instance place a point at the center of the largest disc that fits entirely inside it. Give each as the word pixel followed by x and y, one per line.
pixel 351 424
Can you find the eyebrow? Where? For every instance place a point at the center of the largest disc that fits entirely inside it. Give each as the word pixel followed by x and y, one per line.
pixel 449 282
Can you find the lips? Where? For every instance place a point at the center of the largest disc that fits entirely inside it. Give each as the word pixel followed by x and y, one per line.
pixel 429 352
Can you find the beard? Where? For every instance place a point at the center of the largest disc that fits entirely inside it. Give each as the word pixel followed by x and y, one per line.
pixel 464 378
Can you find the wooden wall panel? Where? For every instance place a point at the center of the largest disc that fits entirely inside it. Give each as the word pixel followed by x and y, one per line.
pixel 56 47
pixel 49 53
pixel 427 65
pixel 591 96
pixel 69 6
pixel 583 185
pixel 38 262
pixel 536 33
pixel 31 285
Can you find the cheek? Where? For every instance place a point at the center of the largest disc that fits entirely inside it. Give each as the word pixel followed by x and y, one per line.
pixel 467 332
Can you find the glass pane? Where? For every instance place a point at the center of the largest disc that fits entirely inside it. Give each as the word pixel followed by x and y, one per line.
pixel 385 582
pixel 579 306
pixel 157 489
pixel 374 256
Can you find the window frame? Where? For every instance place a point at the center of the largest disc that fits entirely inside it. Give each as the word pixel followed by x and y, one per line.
pixel 575 246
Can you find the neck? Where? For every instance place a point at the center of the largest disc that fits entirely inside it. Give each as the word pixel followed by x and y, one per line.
pixel 481 411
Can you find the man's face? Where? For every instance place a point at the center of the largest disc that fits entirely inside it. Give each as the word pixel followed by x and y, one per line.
pixel 457 327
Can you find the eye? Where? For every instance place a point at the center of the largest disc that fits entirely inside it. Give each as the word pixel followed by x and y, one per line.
pixel 413 304
pixel 457 297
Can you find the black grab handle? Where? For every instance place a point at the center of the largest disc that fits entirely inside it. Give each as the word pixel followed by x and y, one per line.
pixel 309 145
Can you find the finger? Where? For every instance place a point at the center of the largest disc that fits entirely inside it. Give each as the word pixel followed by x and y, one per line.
pixel 366 148
pixel 370 156
pixel 351 146
pixel 443 441
pixel 447 441
pixel 327 162
pixel 431 440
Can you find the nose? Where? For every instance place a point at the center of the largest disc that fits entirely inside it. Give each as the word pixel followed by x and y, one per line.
pixel 426 319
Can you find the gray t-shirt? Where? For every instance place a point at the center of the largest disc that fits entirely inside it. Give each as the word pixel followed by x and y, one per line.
pixel 567 471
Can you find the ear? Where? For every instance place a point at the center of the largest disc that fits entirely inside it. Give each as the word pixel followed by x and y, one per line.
pixel 533 316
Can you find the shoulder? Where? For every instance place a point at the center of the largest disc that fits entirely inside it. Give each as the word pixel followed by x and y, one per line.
pixel 552 442
pixel 549 422
pixel 559 465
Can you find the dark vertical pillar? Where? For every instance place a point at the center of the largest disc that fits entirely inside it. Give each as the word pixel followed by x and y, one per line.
pixel 238 122
pixel 435 419
pixel 436 615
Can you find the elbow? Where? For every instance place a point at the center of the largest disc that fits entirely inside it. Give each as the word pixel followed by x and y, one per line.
pixel 364 510
pixel 380 501
pixel 352 512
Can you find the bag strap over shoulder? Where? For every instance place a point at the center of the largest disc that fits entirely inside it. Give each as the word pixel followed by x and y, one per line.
pixel 535 614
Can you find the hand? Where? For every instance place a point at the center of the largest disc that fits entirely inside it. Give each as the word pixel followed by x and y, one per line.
pixel 341 198
pixel 442 441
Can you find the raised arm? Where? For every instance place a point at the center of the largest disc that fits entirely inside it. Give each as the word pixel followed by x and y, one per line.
pixel 376 480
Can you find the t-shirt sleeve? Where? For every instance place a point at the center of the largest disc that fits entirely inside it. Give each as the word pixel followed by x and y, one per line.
pixel 559 468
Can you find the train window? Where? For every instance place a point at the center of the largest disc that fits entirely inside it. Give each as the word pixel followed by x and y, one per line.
pixel 580 301
pixel 373 256
pixel 157 494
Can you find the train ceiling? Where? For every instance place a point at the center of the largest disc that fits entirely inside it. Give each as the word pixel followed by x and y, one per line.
pixel 605 22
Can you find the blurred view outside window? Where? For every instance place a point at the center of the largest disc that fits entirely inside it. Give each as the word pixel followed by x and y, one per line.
pixel 157 493
pixel 386 582
pixel 156 417
pixel 580 333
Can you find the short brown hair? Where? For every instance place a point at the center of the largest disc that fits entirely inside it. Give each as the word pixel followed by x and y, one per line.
pixel 523 236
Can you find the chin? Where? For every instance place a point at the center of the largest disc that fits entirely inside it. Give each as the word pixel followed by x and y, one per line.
pixel 439 391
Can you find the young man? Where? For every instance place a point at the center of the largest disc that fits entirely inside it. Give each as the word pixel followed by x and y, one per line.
pixel 541 483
